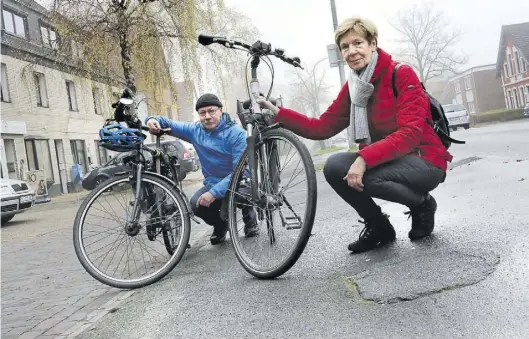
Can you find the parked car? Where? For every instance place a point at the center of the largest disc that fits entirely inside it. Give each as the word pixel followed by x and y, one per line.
pixel 526 110
pixel 185 156
pixel 107 171
pixel 457 116
pixel 193 155
pixel 115 166
pixel 17 197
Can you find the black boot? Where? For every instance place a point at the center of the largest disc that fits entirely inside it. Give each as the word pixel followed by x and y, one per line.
pixel 251 229
pixel 219 234
pixel 377 232
pixel 422 218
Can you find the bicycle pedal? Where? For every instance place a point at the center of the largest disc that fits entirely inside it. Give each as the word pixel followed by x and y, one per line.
pixel 292 223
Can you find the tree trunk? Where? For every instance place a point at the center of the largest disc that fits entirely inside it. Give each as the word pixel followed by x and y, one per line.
pixel 126 60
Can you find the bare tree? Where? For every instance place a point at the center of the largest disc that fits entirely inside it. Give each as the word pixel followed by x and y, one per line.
pixel 309 90
pixel 428 43
pixel 136 30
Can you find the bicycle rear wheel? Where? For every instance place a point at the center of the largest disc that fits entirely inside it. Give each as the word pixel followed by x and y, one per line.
pixel 125 254
pixel 286 182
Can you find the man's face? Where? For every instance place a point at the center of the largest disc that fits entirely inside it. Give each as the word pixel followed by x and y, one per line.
pixel 210 116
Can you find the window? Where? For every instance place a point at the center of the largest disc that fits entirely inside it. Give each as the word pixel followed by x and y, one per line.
pixel 72 97
pixel 527 93
pixel 13 23
pixel 514 94
pixel 471 107
pixel 5 86
pixel 522 96
pixel 77 50
pixel 517 62
pixel 39 157
pixel 11 159
pixel 457 86
pixel 102 154
pixel 467 83
pixel 511 65
pixel 96 93
pixel 505 70
pixel 79 153
pixel 42 92
pixel 49 37
pixel 523 66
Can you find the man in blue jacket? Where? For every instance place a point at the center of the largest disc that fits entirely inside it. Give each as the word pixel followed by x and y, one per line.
pixel 219 143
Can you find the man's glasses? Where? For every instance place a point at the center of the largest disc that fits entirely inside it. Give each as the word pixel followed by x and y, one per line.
pixel 210 112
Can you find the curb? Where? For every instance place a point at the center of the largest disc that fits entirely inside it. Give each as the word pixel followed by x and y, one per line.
pixel 91 320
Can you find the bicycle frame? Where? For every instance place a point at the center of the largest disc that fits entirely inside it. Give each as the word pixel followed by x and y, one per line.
pixel 136 174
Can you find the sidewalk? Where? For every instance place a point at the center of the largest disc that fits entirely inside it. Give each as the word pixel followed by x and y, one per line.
pixel 45 291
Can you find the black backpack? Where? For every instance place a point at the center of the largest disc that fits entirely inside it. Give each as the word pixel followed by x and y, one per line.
pixel 439 123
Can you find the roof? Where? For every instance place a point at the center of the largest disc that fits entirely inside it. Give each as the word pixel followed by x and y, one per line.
pixel 471 70
pixel 519 35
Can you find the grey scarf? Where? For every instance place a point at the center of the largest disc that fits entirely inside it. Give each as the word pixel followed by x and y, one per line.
pixel 360 90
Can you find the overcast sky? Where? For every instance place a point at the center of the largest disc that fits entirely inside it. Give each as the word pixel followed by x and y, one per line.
pixel 304 27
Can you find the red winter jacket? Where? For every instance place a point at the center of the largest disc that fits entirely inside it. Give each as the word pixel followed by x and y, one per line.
pixel 398 126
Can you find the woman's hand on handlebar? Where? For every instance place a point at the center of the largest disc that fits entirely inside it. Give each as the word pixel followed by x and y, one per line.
pixel 154 126
pixel 267 104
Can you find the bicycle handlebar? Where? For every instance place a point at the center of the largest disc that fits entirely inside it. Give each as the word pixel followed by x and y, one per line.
pixel 258 48
pixel 160 133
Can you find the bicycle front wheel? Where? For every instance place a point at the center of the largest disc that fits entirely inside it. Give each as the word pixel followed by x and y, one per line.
pixel 131 251
pixel 283 217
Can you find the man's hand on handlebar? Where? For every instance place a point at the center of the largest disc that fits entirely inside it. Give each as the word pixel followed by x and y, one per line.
pixel 154 126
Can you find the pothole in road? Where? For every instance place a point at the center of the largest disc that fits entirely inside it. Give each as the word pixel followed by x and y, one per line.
pixel 464 161
pixel 420 276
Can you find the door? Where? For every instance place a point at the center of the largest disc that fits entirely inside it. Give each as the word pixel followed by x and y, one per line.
pixel 61 164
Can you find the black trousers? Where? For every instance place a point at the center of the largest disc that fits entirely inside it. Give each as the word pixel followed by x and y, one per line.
pixel 212 214
pixel 405 181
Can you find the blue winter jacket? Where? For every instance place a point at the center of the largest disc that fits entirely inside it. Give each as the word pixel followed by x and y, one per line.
pixel 218 149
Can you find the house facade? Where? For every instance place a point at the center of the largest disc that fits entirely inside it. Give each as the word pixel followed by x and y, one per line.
pixel 51 109
pixel 478 89
pixel 512 65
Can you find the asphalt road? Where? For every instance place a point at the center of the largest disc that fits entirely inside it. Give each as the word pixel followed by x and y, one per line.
pixel 469 280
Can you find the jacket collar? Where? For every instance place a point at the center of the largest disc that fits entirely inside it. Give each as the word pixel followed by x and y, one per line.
pixel 383 63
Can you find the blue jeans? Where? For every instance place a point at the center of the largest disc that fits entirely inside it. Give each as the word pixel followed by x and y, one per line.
pixel 212 215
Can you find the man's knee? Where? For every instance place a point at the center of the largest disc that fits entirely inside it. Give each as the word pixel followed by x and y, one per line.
pixel 337 166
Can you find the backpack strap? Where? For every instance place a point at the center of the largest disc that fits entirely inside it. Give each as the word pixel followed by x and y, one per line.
pixel 394 77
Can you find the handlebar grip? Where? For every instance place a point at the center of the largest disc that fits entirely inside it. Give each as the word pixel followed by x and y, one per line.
pixel 209 39
pixel 145 128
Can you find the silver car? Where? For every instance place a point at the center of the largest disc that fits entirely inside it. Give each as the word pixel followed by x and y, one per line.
pixel 457 116
pixel 17 197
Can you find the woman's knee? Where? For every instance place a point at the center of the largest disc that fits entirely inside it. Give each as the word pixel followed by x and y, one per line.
pixel 337 165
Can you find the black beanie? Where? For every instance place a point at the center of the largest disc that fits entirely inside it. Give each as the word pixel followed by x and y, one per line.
pixel 206 100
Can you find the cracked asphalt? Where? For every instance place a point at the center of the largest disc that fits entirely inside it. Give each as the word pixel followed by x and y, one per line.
pixel 469 280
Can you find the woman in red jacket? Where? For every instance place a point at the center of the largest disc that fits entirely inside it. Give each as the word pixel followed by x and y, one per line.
pixel 401 158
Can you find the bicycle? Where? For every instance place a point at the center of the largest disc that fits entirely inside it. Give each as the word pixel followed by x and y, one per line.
pixel 255 182
pixel 151 188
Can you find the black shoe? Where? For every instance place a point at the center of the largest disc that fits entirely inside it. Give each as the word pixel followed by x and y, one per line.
pixel 422 219
pixel 377 232
pixel 251 229
pixel 219 235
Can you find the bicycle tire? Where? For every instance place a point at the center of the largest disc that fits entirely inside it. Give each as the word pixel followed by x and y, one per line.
pixel 152 278
pixel 308 220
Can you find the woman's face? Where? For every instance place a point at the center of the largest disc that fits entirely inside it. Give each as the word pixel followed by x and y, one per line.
pixel 356 50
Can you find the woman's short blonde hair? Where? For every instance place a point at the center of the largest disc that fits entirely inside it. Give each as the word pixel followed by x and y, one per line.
pixel 363 27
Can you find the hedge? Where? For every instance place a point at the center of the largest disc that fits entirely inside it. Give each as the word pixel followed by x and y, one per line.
pixel 497 115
